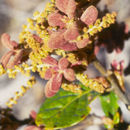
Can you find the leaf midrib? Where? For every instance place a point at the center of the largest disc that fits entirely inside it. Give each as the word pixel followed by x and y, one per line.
pixel 69 104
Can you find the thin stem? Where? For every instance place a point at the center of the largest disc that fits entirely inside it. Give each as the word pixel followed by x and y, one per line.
pixel 112 79
pixel 30 68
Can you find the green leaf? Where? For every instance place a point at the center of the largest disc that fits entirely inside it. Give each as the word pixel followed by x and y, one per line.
pixel 110 126
pixel 116 118
pixel 65 109
pixel 109 103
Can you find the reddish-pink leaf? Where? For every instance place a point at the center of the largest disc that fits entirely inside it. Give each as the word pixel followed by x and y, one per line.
pixel 5 58
pixel 82 43
pixel 48 91
pixel 127 28
pixel 69 47
pixel 55 19
pixel 56 40
pixel 48 74
pixel 37 38
pixel 118 66
pixel 5 39
pixel 67 6
pixel 76 63
pixel 33 114
pixel 62 5
pixel 56 82
pixel 63 63
pixel 90 15
pixel 114 64
pixel 71 33
pixel 16 59
pixel 96 49
pixel 32 127
pixel 69 74
pixel 71 7
pixel 14 44
pixel 50 60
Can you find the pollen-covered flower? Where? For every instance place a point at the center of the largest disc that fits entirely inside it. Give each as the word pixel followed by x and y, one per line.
pixel 55 74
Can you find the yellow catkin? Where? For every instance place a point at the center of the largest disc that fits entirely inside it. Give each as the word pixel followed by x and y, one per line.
pixel 38 51
pixel 37 44
pixel 76 58
pixel 120 80
pixel 11 73
pixel 90 83
pixel 60 52
pixel 26 69
pixel 99 25
pixel 72 88
pixel 2 70
pixel 23 90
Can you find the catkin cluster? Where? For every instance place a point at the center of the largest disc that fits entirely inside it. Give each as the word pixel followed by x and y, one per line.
pixel 66 30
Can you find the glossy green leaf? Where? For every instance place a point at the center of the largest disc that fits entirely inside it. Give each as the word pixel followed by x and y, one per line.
pixel 109 103
pixel 65 109
pixel 116 118
pixel 110 126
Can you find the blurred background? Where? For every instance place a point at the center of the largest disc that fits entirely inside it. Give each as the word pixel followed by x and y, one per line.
pixel 13 14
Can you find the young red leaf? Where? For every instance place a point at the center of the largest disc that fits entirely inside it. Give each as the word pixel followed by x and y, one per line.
pixel 82 43
pixel 55 19
pixel 71 7
pixel 67 6
pixel 69 47
pixel 48 91
pixel 37 38
pixel 5 39
pixel 114 64
pixel 5 58
pixel 14 44
pixel 33 114
pixel 71 33
pixel 56 82
pixel 77 63
pixel 62 5
pixel 56 40
pixel 118 66
pixel 50 60
pixel 63 63
pixel 69 74
pixel 17 58
pixel 96 49
pixel 48 74
pixel 90 15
